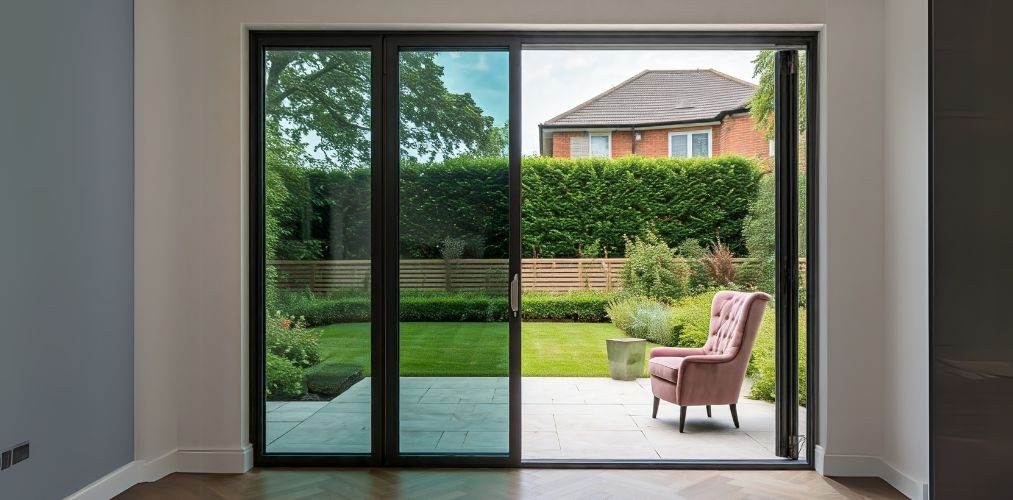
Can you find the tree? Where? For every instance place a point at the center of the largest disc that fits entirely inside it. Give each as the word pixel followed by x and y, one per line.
pixel 761 105
pixel 322 98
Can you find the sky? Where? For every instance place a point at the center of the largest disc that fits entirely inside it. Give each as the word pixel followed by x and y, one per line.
pixel 554 81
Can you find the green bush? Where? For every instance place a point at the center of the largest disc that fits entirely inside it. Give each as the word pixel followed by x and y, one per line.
pixel 758 232
pixel 761 366
pixel 585 307
pixel 354 307
pixel 329 379
pixel 699 277
pixel 653 270
pixel 644 319
pixel 284 380
pixel 289 338
pixel 568 204
pixel 691 319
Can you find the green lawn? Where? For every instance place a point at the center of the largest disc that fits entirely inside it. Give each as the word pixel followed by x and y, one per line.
pixel 480 349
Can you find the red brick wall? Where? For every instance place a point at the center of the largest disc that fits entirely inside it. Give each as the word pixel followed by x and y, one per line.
pixel 739 136
pixel 735 135
pixel 561 143
pixel 622 143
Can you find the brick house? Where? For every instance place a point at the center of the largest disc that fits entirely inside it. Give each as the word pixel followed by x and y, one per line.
pixel 660 113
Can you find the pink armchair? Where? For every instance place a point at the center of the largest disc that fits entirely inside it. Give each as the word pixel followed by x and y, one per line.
pixel 712 374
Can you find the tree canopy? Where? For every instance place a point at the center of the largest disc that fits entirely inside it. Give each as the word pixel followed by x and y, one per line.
pixel 322 100
pixel 761 106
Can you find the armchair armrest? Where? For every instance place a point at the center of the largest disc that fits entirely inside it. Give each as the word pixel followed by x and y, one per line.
pixel 676 352
pixel 710 379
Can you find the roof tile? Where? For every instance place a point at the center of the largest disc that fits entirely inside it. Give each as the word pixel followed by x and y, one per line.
pixel 661 96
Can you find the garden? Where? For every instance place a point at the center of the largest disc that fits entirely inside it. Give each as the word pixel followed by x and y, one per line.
pixel 685 229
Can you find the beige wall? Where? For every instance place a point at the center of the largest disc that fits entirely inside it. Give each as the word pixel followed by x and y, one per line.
pixel 906 234
pixel 191 199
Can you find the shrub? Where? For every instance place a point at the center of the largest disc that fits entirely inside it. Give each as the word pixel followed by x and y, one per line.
pixel 720 265
pixel 318 310
pixel 758 232
pixel 329 379
pixel 586 307
pixel 284 380
pixel 652 269
pixel 288 337
pixel 691 319
pixel 695 253
pixel 761 366
pixel 644 319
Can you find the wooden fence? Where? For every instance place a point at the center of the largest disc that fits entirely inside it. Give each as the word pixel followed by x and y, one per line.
pixel 548 275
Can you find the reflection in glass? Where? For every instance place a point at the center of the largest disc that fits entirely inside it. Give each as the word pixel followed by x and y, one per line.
pixel 317 232
pixel 454 334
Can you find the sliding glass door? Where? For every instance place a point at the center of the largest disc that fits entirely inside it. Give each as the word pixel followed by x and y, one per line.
pixel 385 251
pixel 453 218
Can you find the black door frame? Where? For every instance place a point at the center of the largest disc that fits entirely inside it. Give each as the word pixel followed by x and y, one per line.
pixel 384 257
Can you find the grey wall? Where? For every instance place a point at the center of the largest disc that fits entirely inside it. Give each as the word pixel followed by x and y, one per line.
pixel 66 242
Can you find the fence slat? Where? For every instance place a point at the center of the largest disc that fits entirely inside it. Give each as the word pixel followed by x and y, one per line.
pixel 550 275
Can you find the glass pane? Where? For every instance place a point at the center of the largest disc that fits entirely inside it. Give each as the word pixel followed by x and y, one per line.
pixel 454 230
pixel 598 295
pixel 317 212
pixel 803 255
pixel 679 147
pixel 701 145
pixel 599 146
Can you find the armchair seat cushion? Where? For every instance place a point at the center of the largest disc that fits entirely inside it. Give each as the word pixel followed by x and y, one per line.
pixel 665 368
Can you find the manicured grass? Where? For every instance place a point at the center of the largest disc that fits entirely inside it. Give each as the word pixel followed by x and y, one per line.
pixel 567 349
pixel 480 349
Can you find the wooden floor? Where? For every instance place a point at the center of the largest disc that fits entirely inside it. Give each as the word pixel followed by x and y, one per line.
pixel 490 484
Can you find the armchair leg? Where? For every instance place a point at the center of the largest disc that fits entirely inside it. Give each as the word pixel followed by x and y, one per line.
pixel 708 411
pixel 682 419
pixel 735 416
pixel 654 412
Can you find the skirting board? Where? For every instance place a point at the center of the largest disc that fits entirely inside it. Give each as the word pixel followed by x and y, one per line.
pixel 868 466
pixel 145 471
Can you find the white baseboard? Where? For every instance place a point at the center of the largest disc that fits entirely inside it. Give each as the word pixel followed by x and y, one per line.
pixel 109 485
pixel 215 461
pixel 869 466
pixel 145 471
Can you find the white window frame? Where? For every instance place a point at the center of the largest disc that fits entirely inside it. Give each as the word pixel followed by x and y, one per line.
pixel 608 138
pixel 689 142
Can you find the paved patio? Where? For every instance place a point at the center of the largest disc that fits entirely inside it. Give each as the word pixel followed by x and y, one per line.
pixel 563 418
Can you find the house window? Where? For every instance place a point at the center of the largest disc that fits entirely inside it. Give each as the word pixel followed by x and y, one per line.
pixel 601 145
pixel 689 144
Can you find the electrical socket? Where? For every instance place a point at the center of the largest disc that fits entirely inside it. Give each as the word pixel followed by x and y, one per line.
pixel 20 453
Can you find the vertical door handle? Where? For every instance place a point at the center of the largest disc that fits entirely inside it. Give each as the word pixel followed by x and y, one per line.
pixel 515 294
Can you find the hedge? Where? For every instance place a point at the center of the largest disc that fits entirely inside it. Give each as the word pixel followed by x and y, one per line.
pixel 569 206
pixel 330 379
pixel 448 306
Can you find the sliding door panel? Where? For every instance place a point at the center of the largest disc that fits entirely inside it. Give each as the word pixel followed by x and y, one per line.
pixel 317 184
pixel 453 253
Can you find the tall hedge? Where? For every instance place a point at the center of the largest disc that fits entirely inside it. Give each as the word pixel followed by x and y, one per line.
pixel 572 202
pixel 568 206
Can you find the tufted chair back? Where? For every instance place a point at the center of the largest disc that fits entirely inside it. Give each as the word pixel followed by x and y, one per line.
pixel 733 328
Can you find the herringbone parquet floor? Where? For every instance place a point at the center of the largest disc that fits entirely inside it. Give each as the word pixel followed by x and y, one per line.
pixel 493 484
